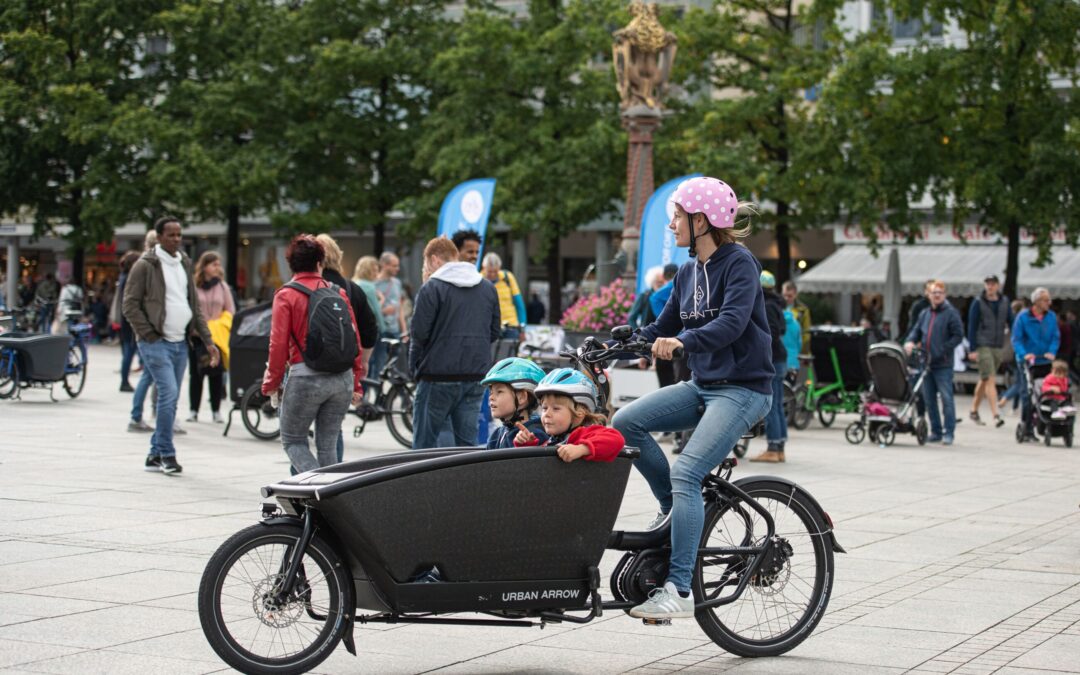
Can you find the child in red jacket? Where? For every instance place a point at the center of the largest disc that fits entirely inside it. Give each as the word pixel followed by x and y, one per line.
pixel 567 400
pixel 1055 389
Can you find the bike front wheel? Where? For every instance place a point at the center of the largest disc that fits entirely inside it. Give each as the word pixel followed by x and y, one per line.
pixel 75 371
pixel 399 414
pixel 260 418
pixel 252 629
pixel 786 597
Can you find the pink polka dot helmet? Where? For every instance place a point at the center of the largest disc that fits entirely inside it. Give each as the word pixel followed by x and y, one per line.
pixel 710 196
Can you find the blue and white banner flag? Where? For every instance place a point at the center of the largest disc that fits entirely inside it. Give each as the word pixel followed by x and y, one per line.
pixel 468 207
pixel 656 247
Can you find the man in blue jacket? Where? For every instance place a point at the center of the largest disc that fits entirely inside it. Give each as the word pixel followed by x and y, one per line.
pixel 455 320
pixel 1035 338
pixel 938 330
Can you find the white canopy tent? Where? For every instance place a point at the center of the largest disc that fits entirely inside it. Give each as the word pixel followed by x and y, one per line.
pixel 853 269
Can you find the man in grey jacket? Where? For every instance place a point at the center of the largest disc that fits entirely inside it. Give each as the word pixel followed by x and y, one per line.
pixel 455 321
pixel 162 307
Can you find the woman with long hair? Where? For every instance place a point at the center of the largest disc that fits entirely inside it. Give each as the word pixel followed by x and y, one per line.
pixel 716 315
pixel 215 298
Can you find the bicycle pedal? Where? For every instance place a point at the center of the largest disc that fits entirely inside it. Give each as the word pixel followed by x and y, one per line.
pixel 656 622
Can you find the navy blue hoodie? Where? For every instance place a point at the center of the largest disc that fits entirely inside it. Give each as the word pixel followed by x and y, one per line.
pixel 717 310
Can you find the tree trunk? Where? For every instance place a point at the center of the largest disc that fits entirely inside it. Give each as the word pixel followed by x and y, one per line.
pixel 554 282
pixel 380 238
pixel 1012 260
pixel 232 245
pixel 783 244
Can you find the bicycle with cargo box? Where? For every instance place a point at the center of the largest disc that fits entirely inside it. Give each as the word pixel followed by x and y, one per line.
pixel 412 538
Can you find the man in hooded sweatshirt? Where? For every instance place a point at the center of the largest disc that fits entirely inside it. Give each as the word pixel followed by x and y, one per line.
pixel 938 330
pixel 455 321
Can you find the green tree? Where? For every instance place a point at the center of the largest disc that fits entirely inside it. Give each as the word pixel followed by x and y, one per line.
pixel 748 68
pixel 67 70
pixel 531 101
pixel 360 85
pixel 983 125
pixel 214 129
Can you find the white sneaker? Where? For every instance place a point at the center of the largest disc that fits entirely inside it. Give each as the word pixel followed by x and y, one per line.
pixel 193 417
pixel 665 603
pixel 659 520
pixel 218 418
pixel 179 430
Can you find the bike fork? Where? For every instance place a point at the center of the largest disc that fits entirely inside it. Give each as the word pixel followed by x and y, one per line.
pixel 293 565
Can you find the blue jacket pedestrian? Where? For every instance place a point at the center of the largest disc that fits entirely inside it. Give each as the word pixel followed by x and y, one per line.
pixel 938 330
pixel 1038 335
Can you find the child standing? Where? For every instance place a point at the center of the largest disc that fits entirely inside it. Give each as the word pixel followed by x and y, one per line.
pixel 1055 388
pixel 511 383
pixel 567 402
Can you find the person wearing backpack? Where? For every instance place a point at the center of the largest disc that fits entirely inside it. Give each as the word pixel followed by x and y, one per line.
pixel 312 332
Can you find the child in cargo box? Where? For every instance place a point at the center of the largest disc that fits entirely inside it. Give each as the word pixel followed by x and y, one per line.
pixel 567 400
pixel 511 383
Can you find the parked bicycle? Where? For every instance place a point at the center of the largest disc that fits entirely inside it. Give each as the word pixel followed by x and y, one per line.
pixel 390 398
pixel 372 541
pixel 41 360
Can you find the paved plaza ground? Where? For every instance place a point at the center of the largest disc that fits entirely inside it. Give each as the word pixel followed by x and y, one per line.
pixel 960 559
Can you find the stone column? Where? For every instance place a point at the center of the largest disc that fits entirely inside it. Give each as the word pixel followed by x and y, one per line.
pixel 604 268
pixel 11 292
pixel 640 121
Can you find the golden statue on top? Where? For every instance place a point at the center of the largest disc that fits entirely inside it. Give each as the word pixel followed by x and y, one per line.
pixel 643 53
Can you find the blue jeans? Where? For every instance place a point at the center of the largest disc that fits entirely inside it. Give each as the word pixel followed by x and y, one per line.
pixel 436 402
pixel 138 401
pixel 127 355
pixel 940 381
pixel 721 414
pixel 775 421
pixel 45 317
pixel 166 362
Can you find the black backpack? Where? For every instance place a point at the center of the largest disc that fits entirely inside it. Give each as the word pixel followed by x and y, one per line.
pixel 331 338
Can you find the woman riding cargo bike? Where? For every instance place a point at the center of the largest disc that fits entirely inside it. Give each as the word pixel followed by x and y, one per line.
pixel 716 315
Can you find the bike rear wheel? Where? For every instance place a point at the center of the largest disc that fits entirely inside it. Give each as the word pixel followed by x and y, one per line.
pixel 783 602
pixel 75 371
pixel 801 414
pixel 260 418
pixel 243 622
pixel 399 412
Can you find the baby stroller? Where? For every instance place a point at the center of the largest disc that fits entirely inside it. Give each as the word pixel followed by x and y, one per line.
pixel 890 372
pixel 249 349
pixel 1043 422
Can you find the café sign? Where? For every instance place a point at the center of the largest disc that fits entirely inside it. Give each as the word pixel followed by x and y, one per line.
pixel 938 234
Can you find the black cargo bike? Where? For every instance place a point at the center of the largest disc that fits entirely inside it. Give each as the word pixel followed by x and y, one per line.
pixel 413 538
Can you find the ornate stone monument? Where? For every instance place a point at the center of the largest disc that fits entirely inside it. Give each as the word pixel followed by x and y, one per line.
pixel 643 53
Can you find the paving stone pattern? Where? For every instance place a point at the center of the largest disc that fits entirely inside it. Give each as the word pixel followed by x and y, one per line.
pixel 962 559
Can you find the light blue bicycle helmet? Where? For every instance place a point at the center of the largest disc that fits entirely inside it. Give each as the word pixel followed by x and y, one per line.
pixel 767 279
pixel 516 372
pixel 571 383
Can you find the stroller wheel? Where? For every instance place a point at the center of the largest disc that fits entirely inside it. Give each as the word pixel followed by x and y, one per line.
pixel 855 433
pixel 1020 432
pixel 921 431
pixel 1046 436
pixel 886 435
pixel 1068 439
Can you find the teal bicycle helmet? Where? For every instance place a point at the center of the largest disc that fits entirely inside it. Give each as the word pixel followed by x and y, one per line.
pixel 570 383
pixel 767 279
pixel 516 372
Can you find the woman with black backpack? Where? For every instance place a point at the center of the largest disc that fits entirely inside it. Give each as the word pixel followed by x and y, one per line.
pixel 312 333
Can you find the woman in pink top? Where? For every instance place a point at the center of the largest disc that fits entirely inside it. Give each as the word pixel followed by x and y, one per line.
pixel 215 298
